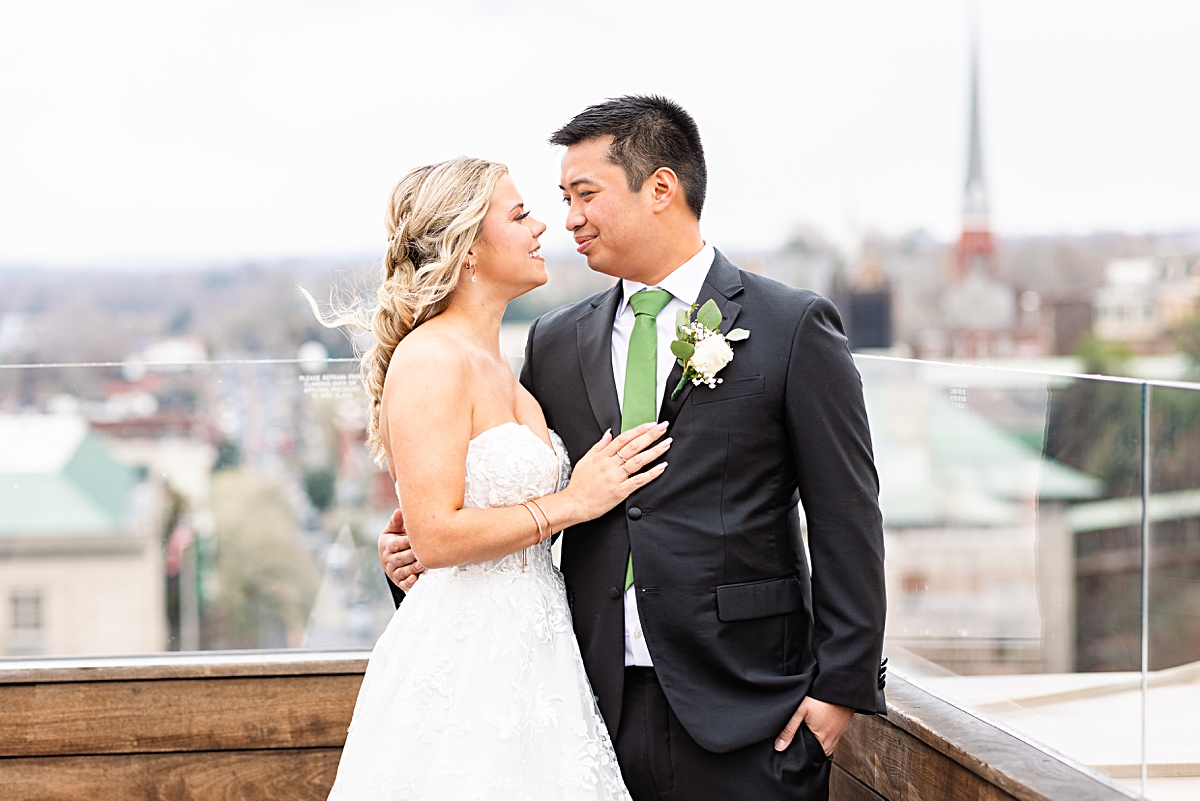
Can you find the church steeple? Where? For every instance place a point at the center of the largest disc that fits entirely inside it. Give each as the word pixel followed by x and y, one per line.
pixel 975 211
pixel 975 247
pixel 979 310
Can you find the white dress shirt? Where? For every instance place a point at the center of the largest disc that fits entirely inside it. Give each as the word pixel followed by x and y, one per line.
pixel 684 284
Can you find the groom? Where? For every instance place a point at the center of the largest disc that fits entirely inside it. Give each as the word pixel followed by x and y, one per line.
pixel 726 669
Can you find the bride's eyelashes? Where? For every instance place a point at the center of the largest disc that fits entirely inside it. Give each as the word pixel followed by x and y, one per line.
pixel 520 217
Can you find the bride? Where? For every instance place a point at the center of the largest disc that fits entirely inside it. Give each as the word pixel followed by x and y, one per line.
pixel 476 689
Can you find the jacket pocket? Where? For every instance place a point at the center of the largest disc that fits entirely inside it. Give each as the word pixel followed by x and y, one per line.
pixel 757 599
pixel 728 390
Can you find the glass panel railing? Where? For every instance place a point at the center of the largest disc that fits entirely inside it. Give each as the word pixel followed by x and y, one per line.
pixel 217 505
pixel 1171 567
pixel 188 506
pixel 984 474
pixel 1043 557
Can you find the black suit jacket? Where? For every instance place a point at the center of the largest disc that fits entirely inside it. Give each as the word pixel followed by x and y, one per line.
pixel 738 628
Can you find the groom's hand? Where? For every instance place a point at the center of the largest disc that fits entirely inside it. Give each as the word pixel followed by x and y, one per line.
pixel 399 562
pixel 827 721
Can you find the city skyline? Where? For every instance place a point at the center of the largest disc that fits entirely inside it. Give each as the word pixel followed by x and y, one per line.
pixel 146 134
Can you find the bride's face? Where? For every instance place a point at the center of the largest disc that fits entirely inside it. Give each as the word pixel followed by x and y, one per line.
pixel 507 251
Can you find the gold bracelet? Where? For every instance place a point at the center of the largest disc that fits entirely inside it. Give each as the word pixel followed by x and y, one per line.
pixel 549 528
pixel 536 522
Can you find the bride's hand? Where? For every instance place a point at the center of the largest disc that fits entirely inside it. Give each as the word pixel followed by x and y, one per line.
pixel 609 472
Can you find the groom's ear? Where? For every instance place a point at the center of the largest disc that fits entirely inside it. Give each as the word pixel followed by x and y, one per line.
pixel 663 189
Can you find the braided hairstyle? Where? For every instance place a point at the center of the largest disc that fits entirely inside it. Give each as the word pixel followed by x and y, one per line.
pixel 433 218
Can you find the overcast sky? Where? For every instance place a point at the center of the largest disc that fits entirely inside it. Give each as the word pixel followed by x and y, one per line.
pixel 149 131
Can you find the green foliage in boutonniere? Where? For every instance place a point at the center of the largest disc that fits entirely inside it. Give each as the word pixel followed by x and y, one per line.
pixel 701 347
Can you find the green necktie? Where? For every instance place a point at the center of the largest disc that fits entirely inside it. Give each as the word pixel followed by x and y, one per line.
pixel 641 371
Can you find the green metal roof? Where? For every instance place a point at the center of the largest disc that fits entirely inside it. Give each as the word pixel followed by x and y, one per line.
pixel 59 478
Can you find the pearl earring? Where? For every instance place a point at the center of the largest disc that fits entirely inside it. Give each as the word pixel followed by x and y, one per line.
pixel 471 267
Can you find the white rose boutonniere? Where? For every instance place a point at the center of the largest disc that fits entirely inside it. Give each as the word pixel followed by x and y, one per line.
pixel 701 348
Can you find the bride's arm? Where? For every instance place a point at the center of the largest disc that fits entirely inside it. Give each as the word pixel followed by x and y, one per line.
pixel 427 406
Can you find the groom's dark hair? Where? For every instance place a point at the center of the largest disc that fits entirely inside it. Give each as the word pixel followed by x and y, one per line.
pixel 649 132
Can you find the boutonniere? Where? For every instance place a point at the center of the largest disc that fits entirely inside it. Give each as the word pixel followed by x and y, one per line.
pixel 701 347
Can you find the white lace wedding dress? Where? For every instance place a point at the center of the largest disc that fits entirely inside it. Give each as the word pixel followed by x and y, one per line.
pixel 476 689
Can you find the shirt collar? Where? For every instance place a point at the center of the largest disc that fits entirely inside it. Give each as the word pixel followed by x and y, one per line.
pixel 684 282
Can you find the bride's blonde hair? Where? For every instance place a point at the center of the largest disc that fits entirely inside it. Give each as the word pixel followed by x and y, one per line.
pixel 433 218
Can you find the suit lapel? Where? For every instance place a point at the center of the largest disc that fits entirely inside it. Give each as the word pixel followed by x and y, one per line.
pixel 594 336
pixel 721 285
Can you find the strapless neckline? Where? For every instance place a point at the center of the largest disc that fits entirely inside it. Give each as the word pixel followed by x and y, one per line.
pixel 487 446
pixel 505 425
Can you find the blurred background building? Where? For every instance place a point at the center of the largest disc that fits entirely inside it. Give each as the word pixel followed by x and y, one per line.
pixel 81 542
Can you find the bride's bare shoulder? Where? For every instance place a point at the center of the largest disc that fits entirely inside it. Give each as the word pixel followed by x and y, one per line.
pixel 428 346
pixel 428 364
pixel 429 385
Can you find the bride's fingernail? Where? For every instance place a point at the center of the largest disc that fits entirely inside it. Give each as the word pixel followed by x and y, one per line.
pixel 781 744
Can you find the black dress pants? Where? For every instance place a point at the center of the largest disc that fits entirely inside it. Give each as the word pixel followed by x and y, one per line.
pixel 661 762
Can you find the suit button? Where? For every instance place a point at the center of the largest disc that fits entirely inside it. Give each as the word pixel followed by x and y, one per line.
pixel 634 513
pixel 614 593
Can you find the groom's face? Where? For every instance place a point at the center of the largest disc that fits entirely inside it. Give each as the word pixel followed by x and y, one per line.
pixel 608 221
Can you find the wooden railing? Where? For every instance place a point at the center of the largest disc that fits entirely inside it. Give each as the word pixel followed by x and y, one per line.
pixel 223 726
pixel 925 749
pixel 264 726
